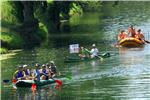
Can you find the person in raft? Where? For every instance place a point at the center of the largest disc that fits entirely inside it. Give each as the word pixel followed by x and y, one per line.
pixel 45 73
pixel 27 71
pixel 19 74
pixel 139 35
pixel 122 35
pixel 84 53
pixel 36 72
pixel 94 51
pixel 131 31
pixel 53 69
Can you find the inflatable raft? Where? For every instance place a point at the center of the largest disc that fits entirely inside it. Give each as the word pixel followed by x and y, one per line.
pixel 28 83
pixel 131 42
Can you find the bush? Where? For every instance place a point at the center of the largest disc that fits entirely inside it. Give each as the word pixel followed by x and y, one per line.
pixel 75 10
pixel 11 40
pixel 42 32
pixel 3 50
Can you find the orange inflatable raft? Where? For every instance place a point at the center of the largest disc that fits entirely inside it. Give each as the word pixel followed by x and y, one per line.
pixel 131 42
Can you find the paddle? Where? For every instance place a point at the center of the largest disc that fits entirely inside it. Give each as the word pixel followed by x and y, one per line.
pixel 68 75
pixel 101 58
pixel 33 87
pixel 13 83
pixel 117 43
pixel 147 41
pixel 58 83
pixel 7 81
pixel 96 55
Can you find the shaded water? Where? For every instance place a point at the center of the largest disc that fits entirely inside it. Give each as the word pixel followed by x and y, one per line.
pixel 123 76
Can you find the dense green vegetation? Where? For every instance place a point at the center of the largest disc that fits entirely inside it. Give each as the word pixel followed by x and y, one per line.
pixel 26 24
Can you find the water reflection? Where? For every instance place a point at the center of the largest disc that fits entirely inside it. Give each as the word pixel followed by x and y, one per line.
pixel 131 55
pixel 43 93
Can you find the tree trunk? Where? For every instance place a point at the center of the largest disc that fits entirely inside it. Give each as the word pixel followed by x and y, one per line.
pixel 30 24
pixel 54 18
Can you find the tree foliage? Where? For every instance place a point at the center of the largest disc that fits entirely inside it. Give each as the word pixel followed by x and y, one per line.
pixel 10 12
pixel 50 13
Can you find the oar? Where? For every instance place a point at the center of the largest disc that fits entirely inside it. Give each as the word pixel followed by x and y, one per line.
pixel 7 81
pixel 101 58
pixel 67 75
pixel 14 83
pixel 96 56
pixel 33 87
pixel 58 83
pixel 147 41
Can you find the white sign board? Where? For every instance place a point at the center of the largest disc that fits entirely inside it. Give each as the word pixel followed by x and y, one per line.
pixel 74 48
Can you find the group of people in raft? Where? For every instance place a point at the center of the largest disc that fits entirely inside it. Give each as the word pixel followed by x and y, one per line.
pixel 44 72
pixel 131 33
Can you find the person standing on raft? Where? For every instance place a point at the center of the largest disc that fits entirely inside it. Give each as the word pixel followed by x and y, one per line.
pixel 131 31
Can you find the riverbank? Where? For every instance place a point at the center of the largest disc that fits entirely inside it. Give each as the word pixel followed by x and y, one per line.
pixel 9 54
pixel 12 40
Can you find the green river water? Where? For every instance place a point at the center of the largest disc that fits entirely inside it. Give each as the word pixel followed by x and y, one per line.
pixel 123 76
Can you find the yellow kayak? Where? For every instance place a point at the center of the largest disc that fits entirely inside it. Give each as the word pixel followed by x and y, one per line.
pixel 131 42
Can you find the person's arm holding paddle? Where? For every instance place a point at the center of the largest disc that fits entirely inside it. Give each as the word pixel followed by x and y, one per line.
pixel 143 38
pixel 94 52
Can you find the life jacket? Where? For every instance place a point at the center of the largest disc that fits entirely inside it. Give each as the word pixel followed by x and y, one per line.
pixel 121 35
pixel 44 71
pixel 19 74
pixel 26 72
pixel 139 35
pixel 37 74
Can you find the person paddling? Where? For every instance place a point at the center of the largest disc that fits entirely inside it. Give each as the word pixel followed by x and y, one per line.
pixel 139 35
pixel 94 51
pixel 131 31
pixel 84 53
pixel 19 74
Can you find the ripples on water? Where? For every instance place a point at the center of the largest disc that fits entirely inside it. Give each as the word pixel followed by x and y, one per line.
pixel 123 76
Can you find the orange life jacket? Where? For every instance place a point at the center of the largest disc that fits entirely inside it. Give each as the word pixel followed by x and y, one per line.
pixel 139 35
pixel 122 35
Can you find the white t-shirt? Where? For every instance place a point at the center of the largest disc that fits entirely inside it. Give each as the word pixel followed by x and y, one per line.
pixel 94 52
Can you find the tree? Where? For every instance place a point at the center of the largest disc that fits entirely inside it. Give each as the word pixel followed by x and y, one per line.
pixel 30 24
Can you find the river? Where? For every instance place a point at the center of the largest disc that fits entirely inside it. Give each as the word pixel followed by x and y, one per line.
pixel 123 76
